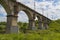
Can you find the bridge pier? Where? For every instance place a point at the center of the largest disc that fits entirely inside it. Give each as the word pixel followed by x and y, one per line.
pixel 40 25
pixel 45 25
pixel 12 24
pixel 32 24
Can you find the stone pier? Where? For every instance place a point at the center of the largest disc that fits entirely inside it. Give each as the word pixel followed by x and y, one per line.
pixel 12 24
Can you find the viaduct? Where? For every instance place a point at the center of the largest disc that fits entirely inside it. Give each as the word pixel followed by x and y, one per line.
pixel 12 8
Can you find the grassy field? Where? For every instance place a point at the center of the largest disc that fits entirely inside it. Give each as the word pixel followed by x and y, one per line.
pixel 53 33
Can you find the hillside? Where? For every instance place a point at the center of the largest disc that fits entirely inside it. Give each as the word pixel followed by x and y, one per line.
pixel 55 26
pixel 53 33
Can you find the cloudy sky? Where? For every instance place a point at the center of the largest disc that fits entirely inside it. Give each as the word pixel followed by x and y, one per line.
pixel 48 8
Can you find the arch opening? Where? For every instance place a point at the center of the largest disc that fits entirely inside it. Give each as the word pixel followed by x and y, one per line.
pixel 22 17
pixel 23 20
pixel 3 19
pixel 36 22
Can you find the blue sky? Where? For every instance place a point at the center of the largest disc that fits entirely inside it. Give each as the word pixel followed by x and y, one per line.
pixel 48 8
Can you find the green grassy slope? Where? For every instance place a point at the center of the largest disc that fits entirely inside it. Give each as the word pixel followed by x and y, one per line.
pixel 53 33
pixel 55 26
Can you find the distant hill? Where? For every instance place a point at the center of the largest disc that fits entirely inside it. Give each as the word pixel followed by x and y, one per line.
pixel 58 21
pixel 55 26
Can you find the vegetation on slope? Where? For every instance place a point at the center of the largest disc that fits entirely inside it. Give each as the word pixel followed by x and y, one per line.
pixel 55 26
pixel 53 33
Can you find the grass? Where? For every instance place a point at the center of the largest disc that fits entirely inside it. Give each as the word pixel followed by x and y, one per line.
pixel 42 35
pixel 53 33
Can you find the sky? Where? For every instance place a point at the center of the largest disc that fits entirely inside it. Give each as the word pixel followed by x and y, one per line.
pixel 48 8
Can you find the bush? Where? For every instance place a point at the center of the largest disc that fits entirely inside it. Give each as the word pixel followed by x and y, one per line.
pixel 53 33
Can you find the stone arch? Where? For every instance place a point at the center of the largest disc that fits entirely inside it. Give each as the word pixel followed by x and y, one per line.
pixel 30 18
pixel 39 21
pixel 5 5
pixel 28 14
pixel 23 21
pixel 42 23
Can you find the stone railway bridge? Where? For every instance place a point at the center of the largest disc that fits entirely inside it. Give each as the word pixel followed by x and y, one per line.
pixel 12 8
